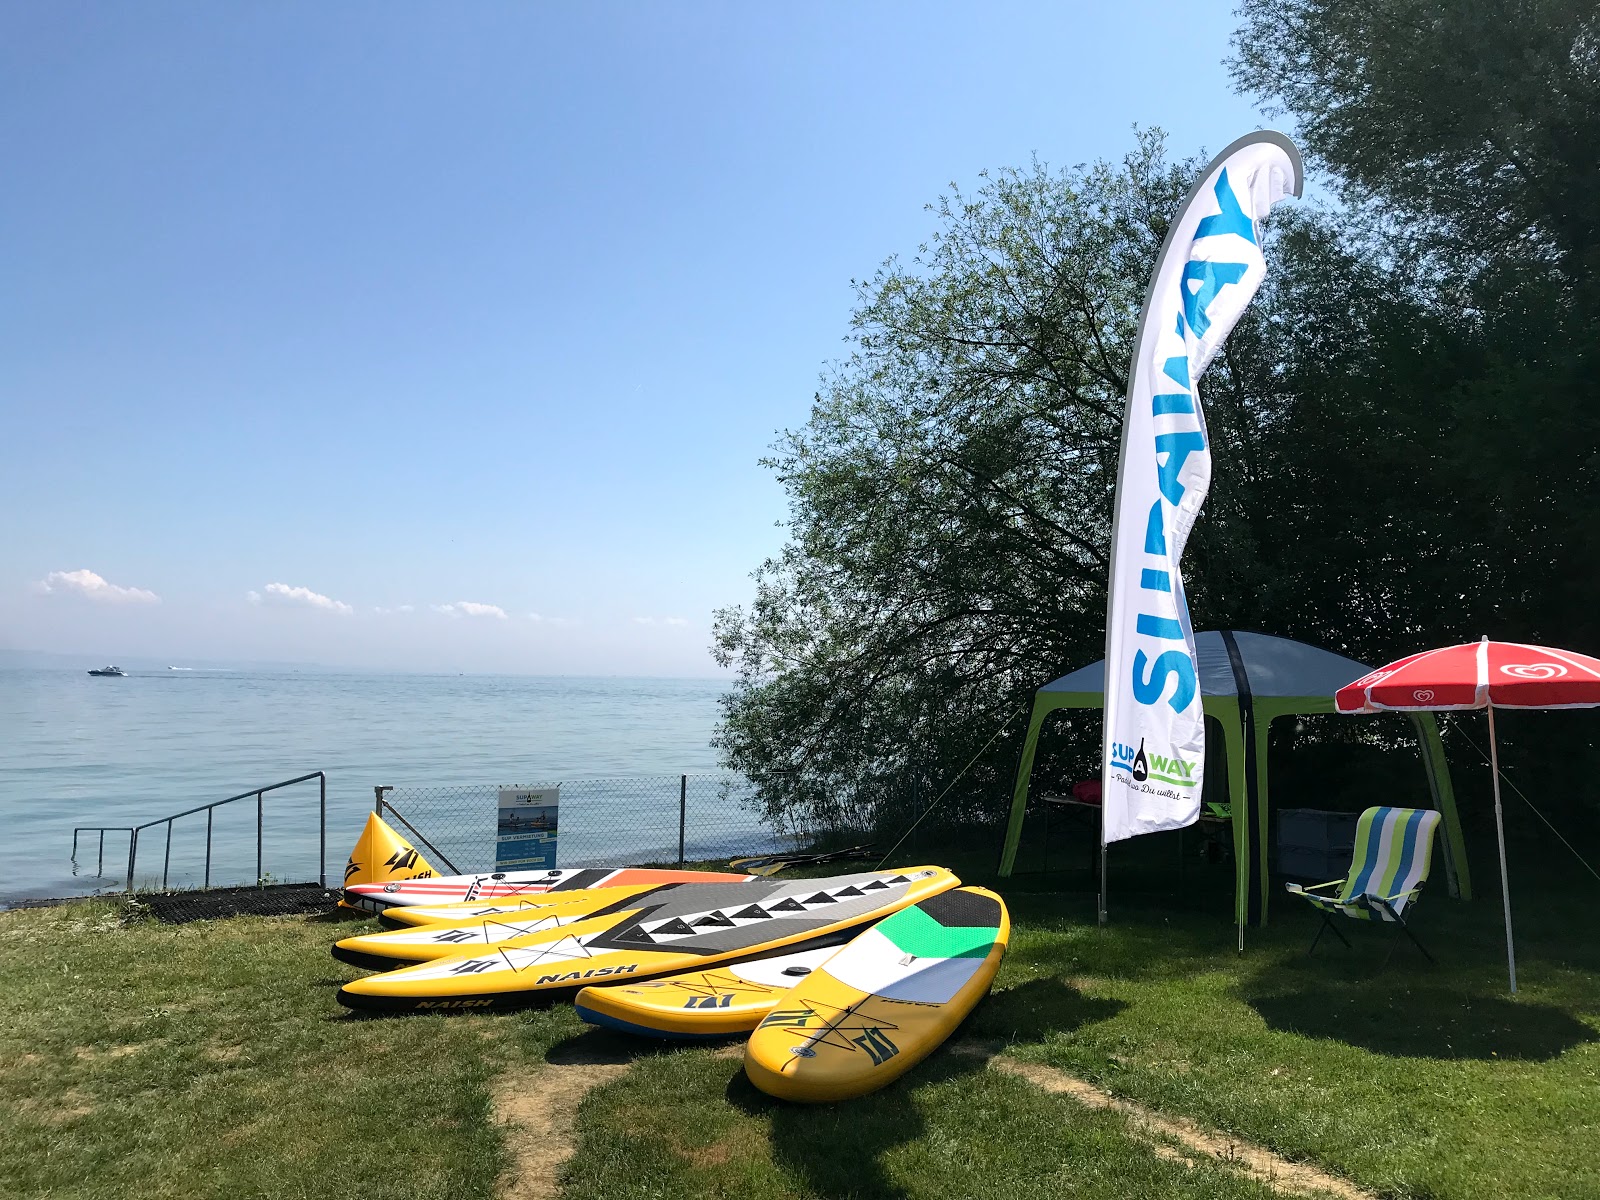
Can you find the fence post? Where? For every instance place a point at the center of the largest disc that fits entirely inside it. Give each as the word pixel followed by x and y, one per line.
pixel 322 830
pixel 133 853
pixel 683 812
pixel 166 860
pixel 377 803
pixel 209 812
pixel 258 841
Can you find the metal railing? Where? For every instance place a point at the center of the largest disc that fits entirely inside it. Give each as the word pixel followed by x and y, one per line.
pixel 133 831
pixel 610 821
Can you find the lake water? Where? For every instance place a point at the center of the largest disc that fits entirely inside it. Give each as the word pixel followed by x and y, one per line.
pixel 76 750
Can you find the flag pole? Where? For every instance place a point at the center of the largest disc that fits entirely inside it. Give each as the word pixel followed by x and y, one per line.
pixel 1500 833
pixel 1103 860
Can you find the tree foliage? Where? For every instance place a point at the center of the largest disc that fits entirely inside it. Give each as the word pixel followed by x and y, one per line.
pixel 1404 438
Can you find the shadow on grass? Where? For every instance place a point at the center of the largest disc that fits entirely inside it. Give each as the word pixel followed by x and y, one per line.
pixel 838 1149
pixel 602 1047
pixel 1407 1018
pixel 337 916
pixel 1033 1011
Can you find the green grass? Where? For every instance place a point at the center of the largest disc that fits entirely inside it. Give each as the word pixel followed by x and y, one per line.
pixel 211 1060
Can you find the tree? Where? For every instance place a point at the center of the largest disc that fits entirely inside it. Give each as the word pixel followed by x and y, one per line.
pixel 1405 441
pixel 1476 124
pixel 949 498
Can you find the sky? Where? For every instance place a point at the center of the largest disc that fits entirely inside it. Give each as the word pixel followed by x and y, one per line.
pixel 437 337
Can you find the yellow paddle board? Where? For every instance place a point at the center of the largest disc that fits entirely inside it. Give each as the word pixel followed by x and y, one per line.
pixel 589 899
pixel 884 1002
pixel 665 932
pixel 714 1003
pixel 496 885
pixel 446 939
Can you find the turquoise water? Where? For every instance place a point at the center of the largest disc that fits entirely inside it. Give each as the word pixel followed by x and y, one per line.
pixel 78 750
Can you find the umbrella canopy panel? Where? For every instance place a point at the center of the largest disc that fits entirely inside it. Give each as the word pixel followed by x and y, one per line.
pixel 1247 680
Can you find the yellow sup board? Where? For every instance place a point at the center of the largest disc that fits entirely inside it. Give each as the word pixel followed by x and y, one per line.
pixel 665 932
pixel 884 1002
pixel 589 899
pixel 497 885
pixel 715 1003
pixel 446 939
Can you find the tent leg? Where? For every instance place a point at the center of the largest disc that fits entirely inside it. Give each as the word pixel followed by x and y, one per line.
pixel 1500 833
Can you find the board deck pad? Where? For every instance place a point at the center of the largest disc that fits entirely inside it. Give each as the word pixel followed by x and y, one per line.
pixel 491 885
pixel 882 1003
pixel 714 1003
pixel 670 930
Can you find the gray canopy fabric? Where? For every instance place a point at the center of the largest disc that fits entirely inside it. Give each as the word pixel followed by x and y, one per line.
pixel 1247 681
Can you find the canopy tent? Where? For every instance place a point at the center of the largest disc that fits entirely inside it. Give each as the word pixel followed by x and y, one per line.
pixel 1247 681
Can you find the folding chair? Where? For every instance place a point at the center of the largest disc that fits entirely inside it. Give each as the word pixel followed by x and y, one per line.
pixel 1393 851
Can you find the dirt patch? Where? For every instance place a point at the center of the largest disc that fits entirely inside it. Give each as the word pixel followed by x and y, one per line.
pixel 1277 1172
pixel 538 1110
pixel 91 1053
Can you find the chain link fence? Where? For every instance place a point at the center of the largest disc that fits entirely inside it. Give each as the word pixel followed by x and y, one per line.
pixel 603 822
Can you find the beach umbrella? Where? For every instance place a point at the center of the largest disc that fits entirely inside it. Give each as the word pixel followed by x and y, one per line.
pixel 1487 675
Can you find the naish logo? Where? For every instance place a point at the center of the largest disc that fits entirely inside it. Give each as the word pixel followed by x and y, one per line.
pixel 402 859
pixel 454 1003
pixel 592 973
pixel 1160 767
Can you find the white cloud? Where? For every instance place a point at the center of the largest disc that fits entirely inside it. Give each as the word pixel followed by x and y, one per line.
pixel 675 621
pixel 87 583
pixel 283 593
pixel 470 608
pixel 253 596
pixel 541 619
pixel 399 608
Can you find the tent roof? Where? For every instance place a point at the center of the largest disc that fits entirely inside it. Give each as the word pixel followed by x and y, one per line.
pixel 1275 666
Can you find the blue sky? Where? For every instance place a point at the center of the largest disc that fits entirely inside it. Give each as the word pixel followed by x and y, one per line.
pixel 404 307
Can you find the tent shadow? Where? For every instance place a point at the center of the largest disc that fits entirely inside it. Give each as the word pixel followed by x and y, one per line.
pixel 1407 1019
pixel 838 1149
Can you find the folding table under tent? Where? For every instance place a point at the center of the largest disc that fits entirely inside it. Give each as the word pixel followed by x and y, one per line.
pixel 1247 681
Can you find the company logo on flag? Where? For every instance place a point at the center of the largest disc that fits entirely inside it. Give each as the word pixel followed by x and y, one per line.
pixel 1209 269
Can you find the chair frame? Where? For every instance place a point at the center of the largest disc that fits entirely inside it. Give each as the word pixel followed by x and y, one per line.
pixel 1389 908
pixel 1386 903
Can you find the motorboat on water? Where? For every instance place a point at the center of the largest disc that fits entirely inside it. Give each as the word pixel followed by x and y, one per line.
pixel 117 671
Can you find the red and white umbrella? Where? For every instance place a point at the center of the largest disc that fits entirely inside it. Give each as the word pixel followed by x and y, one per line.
pixel 1486 675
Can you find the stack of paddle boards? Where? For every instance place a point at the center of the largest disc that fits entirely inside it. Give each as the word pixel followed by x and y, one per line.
pixel 512 945
pixel 832 1023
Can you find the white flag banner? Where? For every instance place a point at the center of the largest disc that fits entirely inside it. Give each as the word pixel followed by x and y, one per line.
pixel 1209 269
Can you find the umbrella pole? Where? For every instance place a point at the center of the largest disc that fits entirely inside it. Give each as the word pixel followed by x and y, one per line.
pixel 1500 832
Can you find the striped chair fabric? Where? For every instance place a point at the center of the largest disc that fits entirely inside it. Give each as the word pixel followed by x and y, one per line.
pixel 1393 851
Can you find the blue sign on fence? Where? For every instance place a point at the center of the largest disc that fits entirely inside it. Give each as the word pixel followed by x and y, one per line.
pixel 525 828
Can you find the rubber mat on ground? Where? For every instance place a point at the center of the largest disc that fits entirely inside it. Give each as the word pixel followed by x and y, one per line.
pixel 277 900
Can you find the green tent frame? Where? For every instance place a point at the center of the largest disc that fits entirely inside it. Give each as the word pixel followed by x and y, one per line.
pixel 1231 715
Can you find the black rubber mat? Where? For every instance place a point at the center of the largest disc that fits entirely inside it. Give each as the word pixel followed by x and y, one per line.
pixel 276 900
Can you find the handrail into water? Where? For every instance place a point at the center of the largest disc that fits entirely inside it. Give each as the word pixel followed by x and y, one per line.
pixel 259 793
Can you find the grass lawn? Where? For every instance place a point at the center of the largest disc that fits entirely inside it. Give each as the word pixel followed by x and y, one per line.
pixel 211 1060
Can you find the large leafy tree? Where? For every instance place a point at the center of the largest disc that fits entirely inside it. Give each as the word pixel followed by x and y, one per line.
pixel 950 494
pixel 1406 443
